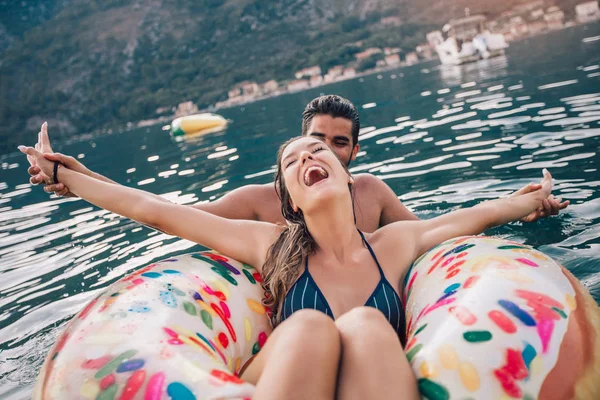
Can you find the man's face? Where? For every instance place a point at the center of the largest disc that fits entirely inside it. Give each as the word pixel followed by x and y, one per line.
pixel 336 133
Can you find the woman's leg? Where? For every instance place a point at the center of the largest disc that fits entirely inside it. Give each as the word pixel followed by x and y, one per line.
pixel 373 363
pixel 299 361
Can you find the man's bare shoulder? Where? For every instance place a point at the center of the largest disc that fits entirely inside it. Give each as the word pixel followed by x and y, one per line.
pixel 251 202
pixel 374 190
pixel 264 201
pixel 369 182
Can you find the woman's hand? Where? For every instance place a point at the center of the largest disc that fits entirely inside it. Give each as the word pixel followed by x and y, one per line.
pixel 542 198
pixel 37 177
pixel 45 166
pixel 471 221
pixel 59 188
pixel 43 146
pixel 546 186
pixel 550 205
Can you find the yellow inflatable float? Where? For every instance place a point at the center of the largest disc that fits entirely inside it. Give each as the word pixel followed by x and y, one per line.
pixel 197 124
pixel 486 319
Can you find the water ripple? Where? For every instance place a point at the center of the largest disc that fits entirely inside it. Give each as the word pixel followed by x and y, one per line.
pixel 507 121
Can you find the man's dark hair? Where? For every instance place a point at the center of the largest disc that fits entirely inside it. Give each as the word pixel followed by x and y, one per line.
pixel 334 106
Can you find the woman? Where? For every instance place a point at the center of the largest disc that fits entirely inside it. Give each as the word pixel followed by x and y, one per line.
pixel 318 261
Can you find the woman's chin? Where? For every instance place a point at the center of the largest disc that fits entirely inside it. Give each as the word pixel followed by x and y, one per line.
pixel 323 197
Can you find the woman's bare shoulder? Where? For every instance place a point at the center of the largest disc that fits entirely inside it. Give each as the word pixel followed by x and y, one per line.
pixel 394 248
pixel 395 231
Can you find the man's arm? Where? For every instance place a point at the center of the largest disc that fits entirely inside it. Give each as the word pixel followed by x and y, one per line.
pixel 240 203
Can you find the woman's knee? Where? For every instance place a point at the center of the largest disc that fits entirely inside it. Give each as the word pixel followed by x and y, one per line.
pixel 308 336
pixel 366 324
pixel 311 327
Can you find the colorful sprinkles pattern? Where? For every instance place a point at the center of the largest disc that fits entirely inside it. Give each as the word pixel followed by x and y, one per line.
pixel 477 327
pixel 180 329
pixel 501 334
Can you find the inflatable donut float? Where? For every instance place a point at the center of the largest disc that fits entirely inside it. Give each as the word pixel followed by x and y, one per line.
pixel 493 319
pixel 181 328
pixel 486 319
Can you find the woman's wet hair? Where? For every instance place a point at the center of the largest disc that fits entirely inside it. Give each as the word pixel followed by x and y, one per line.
pixel 287 254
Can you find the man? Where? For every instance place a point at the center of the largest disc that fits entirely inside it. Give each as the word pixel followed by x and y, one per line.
pixel 335 121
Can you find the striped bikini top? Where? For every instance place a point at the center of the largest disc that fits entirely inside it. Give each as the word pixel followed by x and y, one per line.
pixel 305 293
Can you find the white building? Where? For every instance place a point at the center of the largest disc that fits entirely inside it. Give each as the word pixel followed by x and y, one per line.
pixel 235 92
pixel 297 85
pixel 338 70
pixel 308 72
pixel 587 12
pixel 316 80
pixel 367 53
pixel 349 73
pixel 412 58
pixel 333 73
pixel 425 50
pixel 270 86
pixel 251 89
pixel 392 59
pixel 518 27
pixel 555 18
pixel 535 14
pixel 537 26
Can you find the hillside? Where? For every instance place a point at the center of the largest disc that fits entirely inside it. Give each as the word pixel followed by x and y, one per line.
pixel 90 64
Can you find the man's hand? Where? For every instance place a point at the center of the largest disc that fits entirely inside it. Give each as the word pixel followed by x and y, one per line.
pixel 550 205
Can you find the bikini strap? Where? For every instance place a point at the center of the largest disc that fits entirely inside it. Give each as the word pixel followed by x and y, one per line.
pixel 372 254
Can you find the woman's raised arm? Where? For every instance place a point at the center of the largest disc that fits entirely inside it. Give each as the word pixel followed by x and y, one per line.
pixel 246 241
pixel 425 234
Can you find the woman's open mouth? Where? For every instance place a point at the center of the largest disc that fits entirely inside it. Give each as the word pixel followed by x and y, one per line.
pixel 314 174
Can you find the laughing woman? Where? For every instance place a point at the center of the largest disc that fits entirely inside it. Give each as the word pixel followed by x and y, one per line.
pixel 338 316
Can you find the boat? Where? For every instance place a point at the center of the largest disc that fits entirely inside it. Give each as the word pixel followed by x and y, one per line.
pixel 197 124
pixel 467 39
